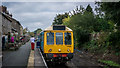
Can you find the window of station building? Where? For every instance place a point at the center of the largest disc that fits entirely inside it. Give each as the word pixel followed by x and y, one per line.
pixel 59 38
pixel 50 38
pixel 67 38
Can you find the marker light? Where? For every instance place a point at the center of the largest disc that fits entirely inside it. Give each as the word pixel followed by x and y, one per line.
pixel 50 50
pixel 68 50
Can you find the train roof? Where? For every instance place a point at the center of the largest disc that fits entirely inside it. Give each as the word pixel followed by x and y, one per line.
pixel 58 27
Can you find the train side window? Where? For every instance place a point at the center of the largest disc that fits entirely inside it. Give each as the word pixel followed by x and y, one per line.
pixel 59 38
pixel 50 38
pixel 40 37
pixel 67 38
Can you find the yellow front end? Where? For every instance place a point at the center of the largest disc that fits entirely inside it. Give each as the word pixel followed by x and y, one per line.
pixel 58 45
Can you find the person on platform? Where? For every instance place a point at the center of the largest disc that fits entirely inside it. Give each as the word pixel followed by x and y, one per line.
pixel 3 42
pixel 32 40
pixel 12 38
pixel 6 40
pixel 9 35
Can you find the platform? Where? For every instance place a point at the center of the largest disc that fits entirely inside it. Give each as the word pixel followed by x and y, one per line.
pixel 36 59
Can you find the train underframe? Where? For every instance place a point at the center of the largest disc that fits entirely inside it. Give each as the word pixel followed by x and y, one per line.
pixel 58 57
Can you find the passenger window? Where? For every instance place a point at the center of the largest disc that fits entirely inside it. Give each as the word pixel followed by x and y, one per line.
pixel 50 38
pixel 59 38
pixel 67 38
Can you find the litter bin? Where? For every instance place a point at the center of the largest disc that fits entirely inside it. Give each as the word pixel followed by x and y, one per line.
pixel 32 46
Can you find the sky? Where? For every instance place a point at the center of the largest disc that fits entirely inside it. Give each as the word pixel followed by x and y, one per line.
pixel 35 15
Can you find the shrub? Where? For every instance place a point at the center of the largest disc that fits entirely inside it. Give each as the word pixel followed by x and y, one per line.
pixel 114 40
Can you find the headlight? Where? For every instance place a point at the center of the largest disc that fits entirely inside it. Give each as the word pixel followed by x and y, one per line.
pixel 59 50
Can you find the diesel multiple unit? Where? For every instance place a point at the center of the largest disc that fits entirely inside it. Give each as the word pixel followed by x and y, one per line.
pixel 57 43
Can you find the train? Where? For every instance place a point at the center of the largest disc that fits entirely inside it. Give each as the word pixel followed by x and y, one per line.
pixel 57 43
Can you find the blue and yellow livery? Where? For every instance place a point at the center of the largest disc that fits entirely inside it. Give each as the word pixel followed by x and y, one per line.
pixel 57 43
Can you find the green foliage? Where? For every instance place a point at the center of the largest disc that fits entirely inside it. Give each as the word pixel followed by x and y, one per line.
pixel 101 24
pixel 83 22
pixel 110 63
pixel 114 38
pixel 25 31
pixel 58 19
pixel 90 46
pixel 99 45
pixel 111 25
pixel 66 21
pixel 81 36
pixel 89 9
pixel 31 34
pixel 111 10
pixel 36 32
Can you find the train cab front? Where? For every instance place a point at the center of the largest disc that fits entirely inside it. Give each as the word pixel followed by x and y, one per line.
pixel 58 44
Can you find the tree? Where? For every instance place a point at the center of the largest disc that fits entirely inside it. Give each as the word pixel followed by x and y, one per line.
pixel 85 21
pixel 111 13
pixel 25 31
pixel 111 10
pixel 102 24
pixel 31 34
pixel 58 19
pixel 89 9
pixel 82 23
pixel 36 32
pixel 66 21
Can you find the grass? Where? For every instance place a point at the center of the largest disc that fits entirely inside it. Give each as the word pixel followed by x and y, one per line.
pixel 110 63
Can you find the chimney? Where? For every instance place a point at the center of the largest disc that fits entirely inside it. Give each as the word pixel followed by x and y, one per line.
pixel 4 9
pixel 7 12
pixel 10 15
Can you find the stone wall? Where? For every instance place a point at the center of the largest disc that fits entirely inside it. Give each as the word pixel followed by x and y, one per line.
pixel 21 31
pixel 16 26
pixel 6 25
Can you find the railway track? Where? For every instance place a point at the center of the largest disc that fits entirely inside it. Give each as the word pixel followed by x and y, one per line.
pixel 79 60
pixel 76 62
pixel 52 65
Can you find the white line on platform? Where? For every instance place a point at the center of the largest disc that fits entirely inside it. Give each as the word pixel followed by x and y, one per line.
pixel 43 59
pixel 31 60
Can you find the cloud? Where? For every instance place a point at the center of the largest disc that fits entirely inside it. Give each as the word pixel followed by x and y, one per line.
pixel 35 24
pixel 40 14
pixel 59 0
pixel 51 0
